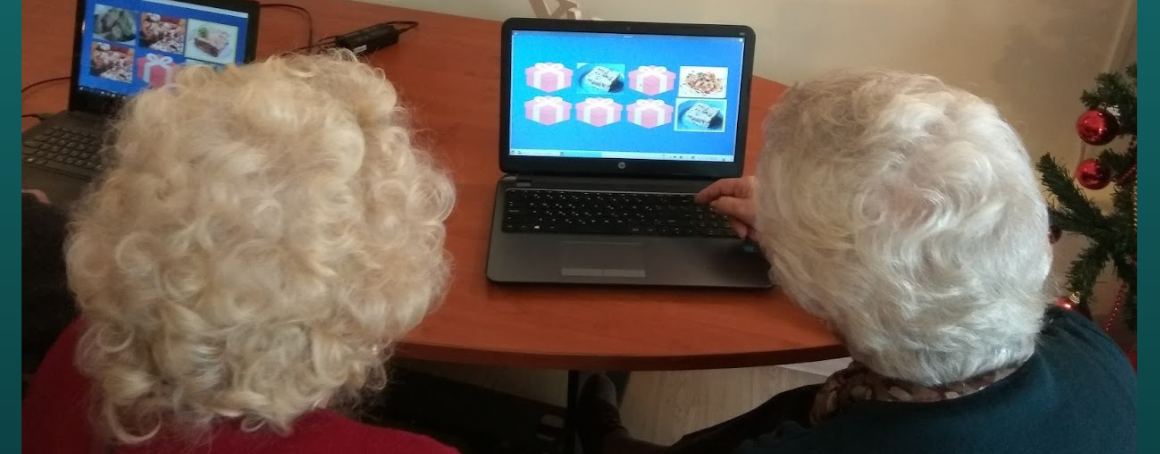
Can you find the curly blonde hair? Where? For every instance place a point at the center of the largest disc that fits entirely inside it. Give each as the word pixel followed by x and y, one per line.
pixel 262 237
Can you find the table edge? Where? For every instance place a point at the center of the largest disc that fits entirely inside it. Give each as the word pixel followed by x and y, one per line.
pixel 580 361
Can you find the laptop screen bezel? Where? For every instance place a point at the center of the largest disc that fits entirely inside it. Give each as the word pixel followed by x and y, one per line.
pixel 94 103
pixel 622 167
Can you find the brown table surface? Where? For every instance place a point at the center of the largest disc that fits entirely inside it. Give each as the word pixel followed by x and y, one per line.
pixel 447 72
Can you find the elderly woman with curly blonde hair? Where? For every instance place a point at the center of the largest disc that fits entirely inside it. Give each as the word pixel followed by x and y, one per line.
pixel 263 236
pixel 905 214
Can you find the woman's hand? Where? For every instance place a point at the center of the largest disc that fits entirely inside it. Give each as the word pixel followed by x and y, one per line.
pixel 733 197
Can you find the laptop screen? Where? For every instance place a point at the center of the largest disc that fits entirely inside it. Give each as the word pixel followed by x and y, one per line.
pixel 625 96
pixel 130 45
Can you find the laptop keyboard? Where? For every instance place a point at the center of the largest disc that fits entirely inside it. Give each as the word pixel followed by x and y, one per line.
pixel 610 213
pixel 65 149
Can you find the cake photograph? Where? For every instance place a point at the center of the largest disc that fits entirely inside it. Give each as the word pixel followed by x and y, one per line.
pixel 702 82
pixel 700 115
pixel 600 78
pixel 118 25
pixel 111 61
pixel 211 42
pixel 163 33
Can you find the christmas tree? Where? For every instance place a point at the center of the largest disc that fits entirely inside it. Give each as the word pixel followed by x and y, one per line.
pixel 1112 234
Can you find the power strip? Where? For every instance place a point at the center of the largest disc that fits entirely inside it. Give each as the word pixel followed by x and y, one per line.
pixel 369 39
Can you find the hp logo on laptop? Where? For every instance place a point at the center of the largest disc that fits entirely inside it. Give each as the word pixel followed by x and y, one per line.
pixel 620 165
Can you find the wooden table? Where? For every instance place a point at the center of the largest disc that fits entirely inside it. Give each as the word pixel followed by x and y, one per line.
pixel 447 72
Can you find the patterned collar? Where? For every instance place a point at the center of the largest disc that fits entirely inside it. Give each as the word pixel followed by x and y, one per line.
pixel 857 383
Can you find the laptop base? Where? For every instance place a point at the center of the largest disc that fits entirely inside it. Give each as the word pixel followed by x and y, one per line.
pixel 619 259
pixel 61 188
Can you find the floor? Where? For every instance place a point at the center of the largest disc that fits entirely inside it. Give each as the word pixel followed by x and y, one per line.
pixel 658 406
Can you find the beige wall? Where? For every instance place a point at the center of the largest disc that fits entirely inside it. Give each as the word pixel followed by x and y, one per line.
pixel 1032 58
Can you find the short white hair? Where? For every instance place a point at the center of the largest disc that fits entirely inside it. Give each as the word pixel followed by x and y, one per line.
pixel 905 212
pixel 262 238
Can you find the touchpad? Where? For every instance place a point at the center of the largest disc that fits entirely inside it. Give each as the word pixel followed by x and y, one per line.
pixel 578 258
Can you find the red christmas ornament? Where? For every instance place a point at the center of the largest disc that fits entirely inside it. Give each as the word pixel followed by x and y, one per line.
pixel 1067 302
pixel 1097 127
pixel 1091 175
pixel 1054 234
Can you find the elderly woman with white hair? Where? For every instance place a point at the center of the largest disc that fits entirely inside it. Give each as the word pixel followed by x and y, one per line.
pixel 262 238
pixel 905 214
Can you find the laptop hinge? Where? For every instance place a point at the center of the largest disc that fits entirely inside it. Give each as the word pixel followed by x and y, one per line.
pixel 523 181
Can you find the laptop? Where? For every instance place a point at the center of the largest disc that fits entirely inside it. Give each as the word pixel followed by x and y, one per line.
pixel 120 48
pixel 607 131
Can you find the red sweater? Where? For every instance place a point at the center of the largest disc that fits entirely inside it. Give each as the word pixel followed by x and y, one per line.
pixel 56 420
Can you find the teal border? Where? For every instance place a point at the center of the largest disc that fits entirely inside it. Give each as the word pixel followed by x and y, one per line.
pixel 1149 396
pixel 10 262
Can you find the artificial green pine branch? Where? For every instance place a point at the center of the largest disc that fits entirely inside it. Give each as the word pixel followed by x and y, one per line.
pixel 1068 222
pixel 1085 269
pixel 1070 198
pixel 1125 271
pixel 1122 199
pixel 1117 163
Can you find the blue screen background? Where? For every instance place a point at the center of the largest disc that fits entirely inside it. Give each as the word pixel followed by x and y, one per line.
pixel 672 52
pixel 92 82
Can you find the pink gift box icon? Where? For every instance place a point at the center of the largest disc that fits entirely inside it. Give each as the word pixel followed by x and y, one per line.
pixel 156 70
pixel 547 110
pixel 549 77
pixel 650 113
pixel 599 111
pixel 652 80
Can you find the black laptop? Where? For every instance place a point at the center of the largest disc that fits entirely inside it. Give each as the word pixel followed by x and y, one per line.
pixel 122 47
pixel 607 131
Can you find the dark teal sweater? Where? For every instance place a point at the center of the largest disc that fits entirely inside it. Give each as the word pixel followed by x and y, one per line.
pixel 1076 394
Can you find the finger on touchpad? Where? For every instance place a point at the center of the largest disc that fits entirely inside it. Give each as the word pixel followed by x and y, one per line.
pixel 578 258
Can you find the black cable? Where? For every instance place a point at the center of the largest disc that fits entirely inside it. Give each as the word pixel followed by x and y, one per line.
pixel 45 81
pixel 309 19
pixel 40 117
